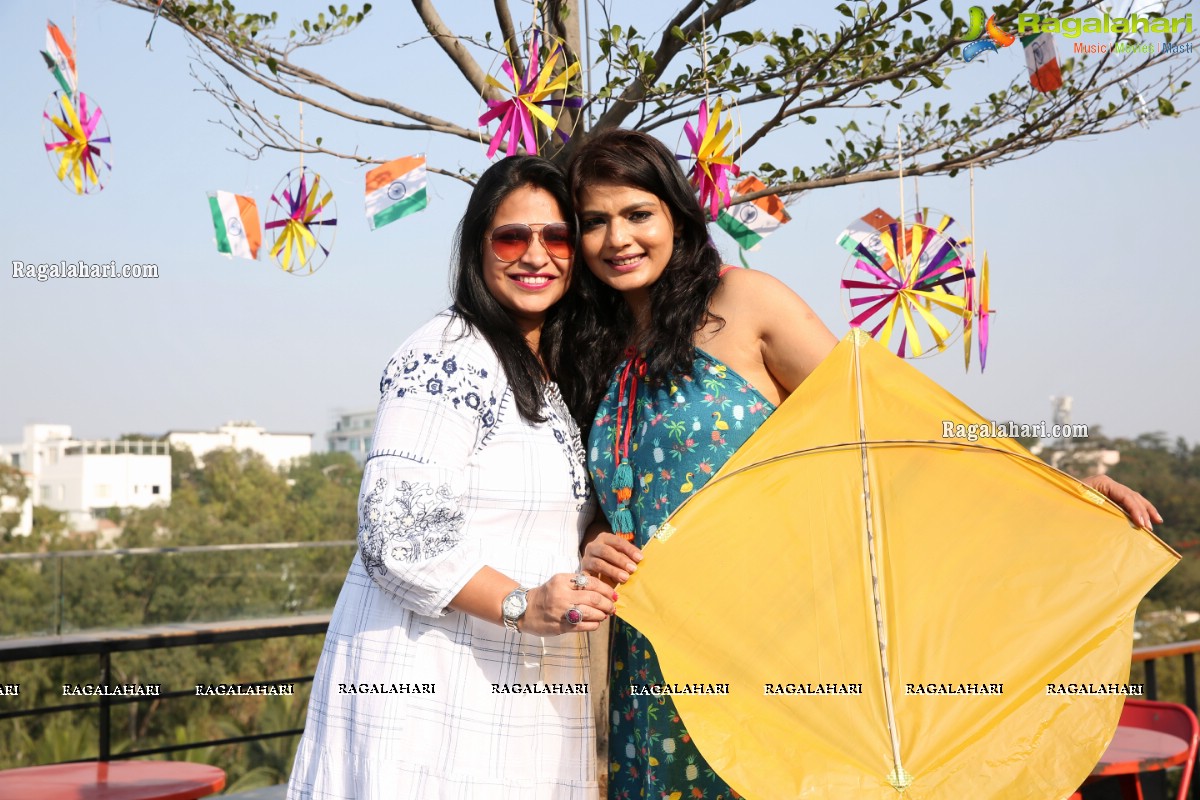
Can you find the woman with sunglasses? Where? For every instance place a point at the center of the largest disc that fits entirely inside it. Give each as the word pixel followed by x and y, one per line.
pixel 445 672
pixel 679 361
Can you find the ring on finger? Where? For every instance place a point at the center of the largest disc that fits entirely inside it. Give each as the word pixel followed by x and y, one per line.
pixel 574 615
pixel 579 581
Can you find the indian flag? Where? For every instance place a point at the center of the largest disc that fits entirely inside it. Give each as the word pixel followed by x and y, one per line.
pixel 235 219
pixel 865 231
pixel 60 58
pixel 395 190
pixel 1042 60
pixel 748 223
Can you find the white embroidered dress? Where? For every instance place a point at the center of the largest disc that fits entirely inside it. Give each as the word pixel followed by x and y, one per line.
pixel 455 480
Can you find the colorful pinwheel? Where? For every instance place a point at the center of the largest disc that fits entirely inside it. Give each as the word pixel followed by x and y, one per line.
pixel 710 174
pixel 302 219
pixel 527 95
pixel 968 318
pixel 72 139
pixel 910 278
pixel 983 312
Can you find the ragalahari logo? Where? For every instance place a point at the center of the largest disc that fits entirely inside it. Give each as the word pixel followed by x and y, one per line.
pixel 988 36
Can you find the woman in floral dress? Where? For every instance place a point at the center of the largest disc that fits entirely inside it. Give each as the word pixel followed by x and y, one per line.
pixel 679 361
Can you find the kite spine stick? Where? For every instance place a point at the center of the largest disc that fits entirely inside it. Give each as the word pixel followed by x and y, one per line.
pixel 898 778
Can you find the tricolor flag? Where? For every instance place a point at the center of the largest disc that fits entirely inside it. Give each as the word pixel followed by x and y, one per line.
pixel 865 231
pixel 60 58
pixel 395 190
pixel 235 219
pixel 1042 60
pixel 749 223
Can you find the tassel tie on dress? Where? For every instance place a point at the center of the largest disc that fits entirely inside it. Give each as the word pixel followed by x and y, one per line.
pixel 622 482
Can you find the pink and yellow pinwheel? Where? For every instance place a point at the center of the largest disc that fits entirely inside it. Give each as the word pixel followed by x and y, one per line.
pixel 302 220
pixel 72 140
pixel 710 141
pixel 908 278
pixel 977 311
pixel 983 312
pixel 527 95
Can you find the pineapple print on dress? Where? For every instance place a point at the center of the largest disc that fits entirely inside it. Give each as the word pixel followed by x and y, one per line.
pixel 682 435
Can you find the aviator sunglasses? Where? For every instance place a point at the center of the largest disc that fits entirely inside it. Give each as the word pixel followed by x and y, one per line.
pixel 509 242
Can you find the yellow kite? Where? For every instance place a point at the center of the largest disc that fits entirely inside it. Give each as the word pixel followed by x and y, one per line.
pixel 895 604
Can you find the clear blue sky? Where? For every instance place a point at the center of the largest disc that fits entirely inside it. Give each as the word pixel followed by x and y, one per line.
pixel 1091 243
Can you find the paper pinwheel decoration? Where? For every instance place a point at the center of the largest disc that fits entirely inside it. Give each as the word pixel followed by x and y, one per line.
pixel 907 278
pixel 74 129
pixel 528 93
pixel 939 621
pixel 303 221
pixel 969 293
pixel 977 293
pixel 710 140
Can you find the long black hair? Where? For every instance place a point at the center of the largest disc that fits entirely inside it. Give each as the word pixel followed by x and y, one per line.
pixel 474 302
pixel 601 322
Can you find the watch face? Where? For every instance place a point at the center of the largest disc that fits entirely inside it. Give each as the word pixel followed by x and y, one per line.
pixel 514 605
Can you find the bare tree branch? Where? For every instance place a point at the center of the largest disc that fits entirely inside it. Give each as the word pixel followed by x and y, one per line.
pixel 509 32
pixel 453 47
pixel 876 59
pixel 669 46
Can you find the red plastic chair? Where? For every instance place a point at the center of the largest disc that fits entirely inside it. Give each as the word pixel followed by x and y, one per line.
pixel 1141 753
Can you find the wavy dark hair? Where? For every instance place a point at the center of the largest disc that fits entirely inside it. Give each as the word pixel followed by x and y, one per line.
pixel 474 302
pixel 601 322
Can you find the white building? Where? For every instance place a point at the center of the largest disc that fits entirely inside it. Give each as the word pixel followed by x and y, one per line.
pixel 279 449
pixel 352 434
pixel 78 477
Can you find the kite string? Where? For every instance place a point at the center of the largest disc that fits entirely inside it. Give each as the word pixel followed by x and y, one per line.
pixel 301 102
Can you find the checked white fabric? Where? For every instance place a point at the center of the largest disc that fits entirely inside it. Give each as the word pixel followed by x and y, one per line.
pixel 455 480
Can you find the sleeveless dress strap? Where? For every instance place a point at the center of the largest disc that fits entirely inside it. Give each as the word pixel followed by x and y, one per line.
pixel 725 269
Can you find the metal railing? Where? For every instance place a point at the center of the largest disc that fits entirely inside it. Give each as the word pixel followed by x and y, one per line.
pixel 53 566
pixel 1150 657
pixel 105 643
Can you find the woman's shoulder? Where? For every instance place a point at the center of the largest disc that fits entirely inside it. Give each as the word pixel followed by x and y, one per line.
pixel 448 351
pixel 449 335
pixel 754 293
pixel 739 281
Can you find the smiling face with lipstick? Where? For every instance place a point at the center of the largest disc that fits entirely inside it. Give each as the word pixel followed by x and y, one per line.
pixel 527 256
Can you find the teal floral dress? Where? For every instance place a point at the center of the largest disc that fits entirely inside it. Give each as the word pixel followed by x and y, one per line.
pixel 683 433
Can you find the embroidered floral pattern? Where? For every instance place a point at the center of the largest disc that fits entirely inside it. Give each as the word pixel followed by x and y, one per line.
pixel 441 376
pixel 414 522
pixel 683 433
pixel 566 433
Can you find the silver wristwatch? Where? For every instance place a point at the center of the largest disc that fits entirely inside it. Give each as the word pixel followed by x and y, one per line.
pixel 513 608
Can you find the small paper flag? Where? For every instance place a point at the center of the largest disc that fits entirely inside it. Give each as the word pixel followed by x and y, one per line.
pixel 1042 59
pixel 395 189
pixel 235 219
pixel 749 223
pixel 60 58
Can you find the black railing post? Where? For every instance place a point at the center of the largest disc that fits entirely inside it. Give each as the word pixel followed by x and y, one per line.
pixel 1151 681
pixel 1189 681
pixel 105 705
